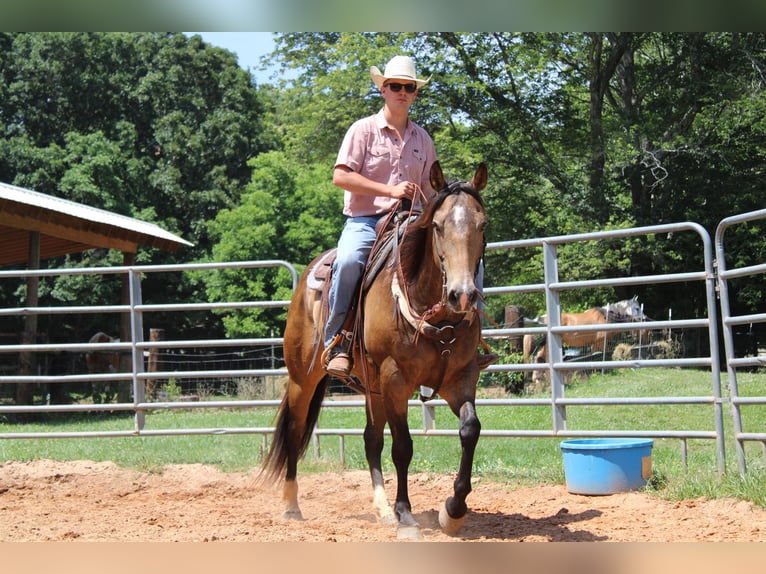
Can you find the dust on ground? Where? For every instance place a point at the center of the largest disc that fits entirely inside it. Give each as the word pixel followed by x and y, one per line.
pixel 47 500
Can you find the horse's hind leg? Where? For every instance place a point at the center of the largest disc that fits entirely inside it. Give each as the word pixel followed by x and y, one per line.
pixel 290 499
pixel 539 374
pixel 296 419
pixel 305 401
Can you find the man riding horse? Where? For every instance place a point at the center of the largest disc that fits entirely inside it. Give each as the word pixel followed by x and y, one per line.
pixel 383 164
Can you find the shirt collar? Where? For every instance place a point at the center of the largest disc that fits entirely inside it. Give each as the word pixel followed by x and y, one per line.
pixel 380 120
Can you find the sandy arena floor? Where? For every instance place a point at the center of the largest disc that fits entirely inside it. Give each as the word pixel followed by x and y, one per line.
pixel 89 501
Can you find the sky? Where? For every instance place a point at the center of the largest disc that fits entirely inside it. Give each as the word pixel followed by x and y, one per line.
pixel 248 46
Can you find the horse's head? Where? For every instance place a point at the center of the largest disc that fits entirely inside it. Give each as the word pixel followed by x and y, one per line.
pixel 627 310
pixel 458 221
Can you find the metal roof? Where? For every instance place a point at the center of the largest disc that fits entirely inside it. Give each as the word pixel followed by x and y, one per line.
pixel 70 227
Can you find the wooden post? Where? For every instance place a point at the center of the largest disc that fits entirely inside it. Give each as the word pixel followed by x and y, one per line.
pixel 153 363
pixel 28 359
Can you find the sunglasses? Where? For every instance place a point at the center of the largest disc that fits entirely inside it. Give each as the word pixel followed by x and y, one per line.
pixel 397 87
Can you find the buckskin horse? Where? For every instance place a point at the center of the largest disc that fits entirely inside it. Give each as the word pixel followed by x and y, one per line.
pixel 625 311
pixel 420 327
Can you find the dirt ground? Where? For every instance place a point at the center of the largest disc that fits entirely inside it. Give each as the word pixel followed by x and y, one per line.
pixel 90 501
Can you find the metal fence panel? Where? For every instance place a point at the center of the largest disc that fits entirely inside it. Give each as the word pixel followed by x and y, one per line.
pixel 733 363
pixel 556 367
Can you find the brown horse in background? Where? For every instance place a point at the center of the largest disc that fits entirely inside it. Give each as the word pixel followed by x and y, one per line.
pixel 627 310
pixel 421 327
pixel 103 361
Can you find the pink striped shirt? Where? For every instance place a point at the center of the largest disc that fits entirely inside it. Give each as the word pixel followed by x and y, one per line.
pixel 373 148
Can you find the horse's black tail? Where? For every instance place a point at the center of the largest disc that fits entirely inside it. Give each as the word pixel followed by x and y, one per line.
pixel 275 461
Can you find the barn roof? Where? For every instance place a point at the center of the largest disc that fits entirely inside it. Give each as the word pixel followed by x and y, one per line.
pixel 70 227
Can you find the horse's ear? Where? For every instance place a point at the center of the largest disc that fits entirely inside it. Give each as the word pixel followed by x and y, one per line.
pixel 437 177
pixel 479 180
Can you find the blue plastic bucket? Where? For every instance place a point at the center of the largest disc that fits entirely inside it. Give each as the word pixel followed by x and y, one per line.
pixel 606 466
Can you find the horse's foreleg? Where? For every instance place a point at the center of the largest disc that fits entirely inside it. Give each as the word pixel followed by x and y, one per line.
pixel 526 346
pixel 373 447
pixel 452 515
pixel 401 453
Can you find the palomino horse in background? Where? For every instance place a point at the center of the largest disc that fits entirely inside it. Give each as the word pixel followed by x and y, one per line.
pixel 625 311
pixel 420 326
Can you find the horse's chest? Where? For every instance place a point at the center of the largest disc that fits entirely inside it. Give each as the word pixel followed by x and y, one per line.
pixel 428 355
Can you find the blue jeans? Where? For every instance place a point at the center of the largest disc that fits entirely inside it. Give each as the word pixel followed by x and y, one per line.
pixel 354 246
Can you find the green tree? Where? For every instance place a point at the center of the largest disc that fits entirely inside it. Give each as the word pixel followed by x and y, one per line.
pixel 176 122
pixel 150 125
pixel 288 209
pixel 581 132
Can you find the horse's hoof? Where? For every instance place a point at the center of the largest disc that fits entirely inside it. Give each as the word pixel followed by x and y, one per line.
pixel 408 533
pixel 450 526
pixel 387 519
pixel 292 515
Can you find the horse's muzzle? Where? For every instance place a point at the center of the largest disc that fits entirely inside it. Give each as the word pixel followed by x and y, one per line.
pixel 462 300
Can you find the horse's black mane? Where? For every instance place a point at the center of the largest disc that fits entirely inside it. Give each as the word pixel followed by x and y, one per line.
pixel 412 248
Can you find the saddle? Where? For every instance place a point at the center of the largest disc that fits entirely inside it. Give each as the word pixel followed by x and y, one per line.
pixel 389 230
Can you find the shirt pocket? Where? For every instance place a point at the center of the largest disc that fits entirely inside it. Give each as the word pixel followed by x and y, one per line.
pixel 419 158
pixel 378 159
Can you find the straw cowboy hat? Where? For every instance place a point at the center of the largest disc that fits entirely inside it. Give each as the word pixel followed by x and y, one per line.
pixel 398 68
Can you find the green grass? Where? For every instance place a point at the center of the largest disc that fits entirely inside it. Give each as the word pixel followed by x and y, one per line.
pixel 513 461
pixel 228 452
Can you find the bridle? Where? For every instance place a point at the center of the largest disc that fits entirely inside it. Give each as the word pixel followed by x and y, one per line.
pixel 446 334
